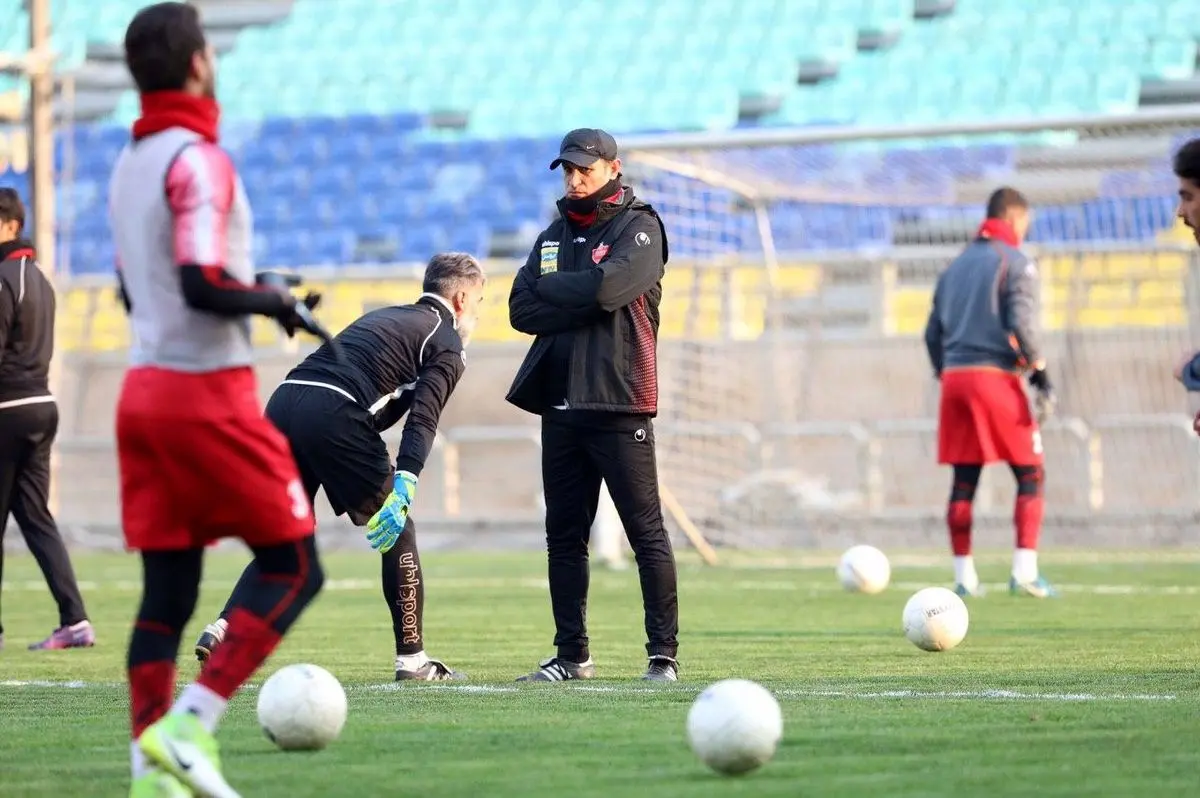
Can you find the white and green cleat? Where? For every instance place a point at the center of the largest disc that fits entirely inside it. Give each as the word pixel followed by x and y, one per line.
pixel 1038 588
pixel 181 746
pixel 158 784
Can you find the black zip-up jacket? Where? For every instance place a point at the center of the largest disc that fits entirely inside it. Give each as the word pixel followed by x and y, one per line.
pixel 403 359
pixel 595 295
pixel 27 305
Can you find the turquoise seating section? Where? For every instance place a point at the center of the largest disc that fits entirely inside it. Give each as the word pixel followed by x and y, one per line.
pixel 518 68
pixel 73 24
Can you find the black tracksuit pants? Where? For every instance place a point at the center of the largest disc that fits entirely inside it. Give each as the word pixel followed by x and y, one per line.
pixel 578 453
pixel 26 435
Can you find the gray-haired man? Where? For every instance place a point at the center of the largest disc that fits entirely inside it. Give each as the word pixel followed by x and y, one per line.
pixel 398 360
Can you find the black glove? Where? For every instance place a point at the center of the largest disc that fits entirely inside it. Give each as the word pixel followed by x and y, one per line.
pixel 1045 399
pixel 298 316
pixel 278 279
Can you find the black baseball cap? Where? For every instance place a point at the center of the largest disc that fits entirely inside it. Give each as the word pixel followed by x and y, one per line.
pixel 585 146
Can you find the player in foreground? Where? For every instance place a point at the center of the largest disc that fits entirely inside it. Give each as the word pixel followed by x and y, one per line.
pixel 1187 170
pixel 981 335
pixel 29 423
pixel 198 461
pixel 404 359
pixel 590 292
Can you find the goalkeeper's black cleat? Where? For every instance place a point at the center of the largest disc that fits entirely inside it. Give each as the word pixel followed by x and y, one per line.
pixel 432 671
pixel 212 636
pixel 557 669
pixel 662 669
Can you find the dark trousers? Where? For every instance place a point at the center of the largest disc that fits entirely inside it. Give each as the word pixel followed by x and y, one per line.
pixel 337 448
pixel 26 436
pixel 576 458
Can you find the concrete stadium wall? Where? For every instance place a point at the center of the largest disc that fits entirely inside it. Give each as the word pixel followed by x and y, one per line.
pixel 1147 467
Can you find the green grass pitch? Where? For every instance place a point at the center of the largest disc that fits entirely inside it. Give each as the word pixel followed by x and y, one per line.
pixel 1094 694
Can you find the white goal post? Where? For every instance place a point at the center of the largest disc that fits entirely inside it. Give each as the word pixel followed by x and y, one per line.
pixel 797 403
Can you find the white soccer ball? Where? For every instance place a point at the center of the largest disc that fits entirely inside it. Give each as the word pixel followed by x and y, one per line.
pixel 302 708
pixel 734 726
pixel 864 569
pixel 935 619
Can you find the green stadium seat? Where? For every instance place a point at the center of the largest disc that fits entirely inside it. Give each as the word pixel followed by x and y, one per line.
pixel 1140 18
pixel 951 66
pixel 1179 17
pixel 1116 92
pixel 886 16
pixel 1170 58
pixel 833 41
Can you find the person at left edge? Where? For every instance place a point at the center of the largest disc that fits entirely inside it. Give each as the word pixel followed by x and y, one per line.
pixel 29 422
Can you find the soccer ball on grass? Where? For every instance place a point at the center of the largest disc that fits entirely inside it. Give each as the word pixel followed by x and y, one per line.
pixel 734 726
pixel 935 619
pixel 302 708
pixel 864 569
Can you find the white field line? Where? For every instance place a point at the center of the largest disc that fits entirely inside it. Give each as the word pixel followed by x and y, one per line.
pixel 748 560
pixel 485 689
pixel 602 582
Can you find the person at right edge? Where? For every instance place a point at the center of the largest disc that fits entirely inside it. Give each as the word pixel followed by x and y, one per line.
pixel 590 292
pixel 981 336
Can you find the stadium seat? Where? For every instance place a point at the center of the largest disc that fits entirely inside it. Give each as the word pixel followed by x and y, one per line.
pixel 337 151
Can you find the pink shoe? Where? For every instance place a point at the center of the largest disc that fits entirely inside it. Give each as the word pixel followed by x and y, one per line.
pixel 80 635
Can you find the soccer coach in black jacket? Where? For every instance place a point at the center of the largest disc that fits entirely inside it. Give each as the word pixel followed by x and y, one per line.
pixel 590 292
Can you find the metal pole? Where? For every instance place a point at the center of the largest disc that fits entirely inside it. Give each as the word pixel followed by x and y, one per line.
pixel 41 151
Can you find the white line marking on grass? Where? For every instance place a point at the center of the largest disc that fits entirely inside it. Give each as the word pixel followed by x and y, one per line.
pixel 798 585
pixel 981 695
pixel 454 688
pixel 487 689
pixel 72 685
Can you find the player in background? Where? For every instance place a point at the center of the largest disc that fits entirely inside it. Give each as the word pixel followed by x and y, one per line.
pixel 1187 170
pixel 404 359
pixel 981 335
pixel 198 461
pixel 29 422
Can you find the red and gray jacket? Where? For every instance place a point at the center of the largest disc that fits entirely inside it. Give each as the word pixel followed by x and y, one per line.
pixel 27 306
pixel 985 310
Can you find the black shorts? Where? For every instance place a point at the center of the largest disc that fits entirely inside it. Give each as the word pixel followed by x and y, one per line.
pixel 336 448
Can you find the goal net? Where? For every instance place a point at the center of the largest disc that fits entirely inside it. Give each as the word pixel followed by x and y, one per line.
pixel 798 406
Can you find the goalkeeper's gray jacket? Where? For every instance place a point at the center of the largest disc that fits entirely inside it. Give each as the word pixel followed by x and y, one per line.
pixel 985 310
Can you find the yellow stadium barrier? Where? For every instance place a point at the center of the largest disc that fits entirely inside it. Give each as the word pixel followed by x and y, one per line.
pixel 1093 290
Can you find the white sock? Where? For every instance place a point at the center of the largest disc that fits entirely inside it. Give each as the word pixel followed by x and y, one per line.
pixel 1025 567
pixel 964 572
pixel 222 624
pixel 410 662
pixel 137 760
pixel 206 705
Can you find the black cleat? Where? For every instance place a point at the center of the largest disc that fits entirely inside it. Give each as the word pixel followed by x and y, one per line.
pixel 557 669
pixel 212 636
pixel 662 669
pixel 432 671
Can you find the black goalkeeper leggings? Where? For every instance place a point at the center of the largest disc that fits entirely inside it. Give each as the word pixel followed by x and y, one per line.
pixel 278 585
pixel 403 590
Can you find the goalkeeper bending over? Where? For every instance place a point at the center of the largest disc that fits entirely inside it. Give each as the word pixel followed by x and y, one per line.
pixel 399 359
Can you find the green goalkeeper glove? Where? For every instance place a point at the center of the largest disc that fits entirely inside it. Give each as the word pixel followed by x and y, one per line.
pixel 386 526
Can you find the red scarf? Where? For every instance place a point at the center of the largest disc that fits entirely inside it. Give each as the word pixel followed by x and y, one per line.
pixel 162 110
pixel 584 220
pixel 999 230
